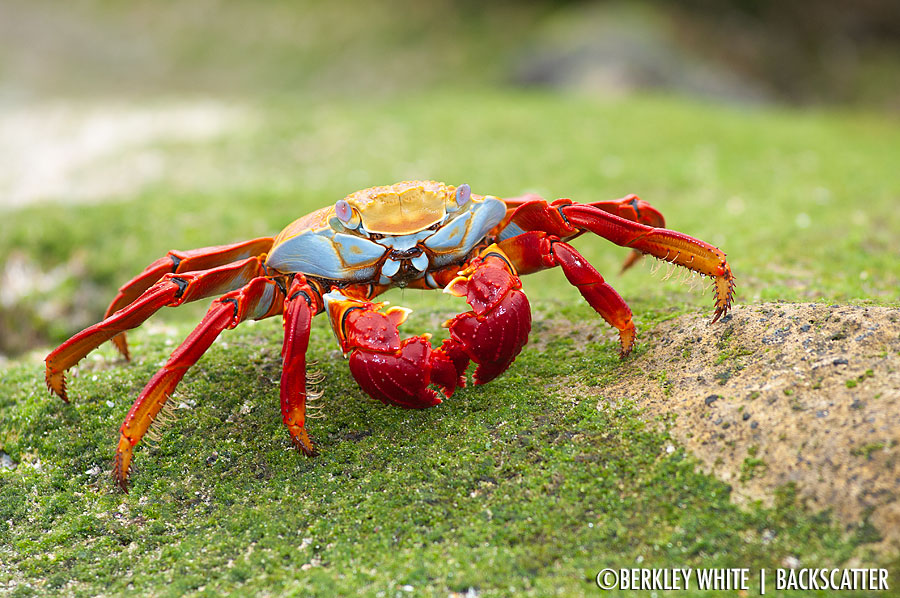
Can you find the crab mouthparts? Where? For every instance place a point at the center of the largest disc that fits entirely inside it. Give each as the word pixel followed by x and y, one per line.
pixel 403 265
pixel 405 254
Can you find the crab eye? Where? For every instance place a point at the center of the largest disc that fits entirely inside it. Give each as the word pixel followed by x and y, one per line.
pixel 343 210
pixel 346 215
pixel 463 193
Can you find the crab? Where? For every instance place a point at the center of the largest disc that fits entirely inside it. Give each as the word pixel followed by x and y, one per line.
pixel 336 260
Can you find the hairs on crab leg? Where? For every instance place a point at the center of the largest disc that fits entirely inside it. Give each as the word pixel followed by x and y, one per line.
pixel 179 262
pixel 669 271
pixel 260 298
pixel 172 290
pixel 302 303
pixel 670 246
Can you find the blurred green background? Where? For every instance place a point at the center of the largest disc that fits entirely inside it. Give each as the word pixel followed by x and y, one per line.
pixel 808 51
pixel 198 123
pixel 127 129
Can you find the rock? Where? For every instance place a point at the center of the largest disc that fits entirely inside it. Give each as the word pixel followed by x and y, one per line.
pixel 843 420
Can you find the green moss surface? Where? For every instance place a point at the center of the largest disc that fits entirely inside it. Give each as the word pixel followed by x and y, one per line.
pixel 529 485
pixel 523 486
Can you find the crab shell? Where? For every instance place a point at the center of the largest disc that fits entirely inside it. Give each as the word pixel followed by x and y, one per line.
pixel 387 235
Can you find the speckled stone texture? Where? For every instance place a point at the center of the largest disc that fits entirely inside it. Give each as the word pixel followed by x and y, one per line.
pixel 784 393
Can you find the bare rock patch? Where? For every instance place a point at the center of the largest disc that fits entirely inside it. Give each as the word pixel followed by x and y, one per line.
pixel 783 393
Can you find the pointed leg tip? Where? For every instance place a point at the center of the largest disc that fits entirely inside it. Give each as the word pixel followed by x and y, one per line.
pixel 121 343
pixel 307 451
pixel 627 336
pixel 56 384
pixel 122 464
pixel 301 441
pixel 720 314
pixel 120 478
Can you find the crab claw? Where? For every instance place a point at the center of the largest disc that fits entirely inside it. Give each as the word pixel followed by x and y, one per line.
pixel 395 372
pixel 497 328
pixel 400 378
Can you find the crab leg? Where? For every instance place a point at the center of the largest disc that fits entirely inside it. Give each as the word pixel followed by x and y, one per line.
pixel 171 290
pixel 631 207
pixel 536 250
pixel 303 302
pixel 667 245
pixel 260 298
pixel 567 220
pixel 177 262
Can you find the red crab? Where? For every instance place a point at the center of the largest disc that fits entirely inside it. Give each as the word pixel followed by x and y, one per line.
pixel 417 234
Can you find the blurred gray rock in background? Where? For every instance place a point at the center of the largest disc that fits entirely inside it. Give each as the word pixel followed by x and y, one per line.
pixel 619 49
pixel 798 52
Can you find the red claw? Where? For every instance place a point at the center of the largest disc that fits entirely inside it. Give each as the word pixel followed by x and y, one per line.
pixel 400 378
pixel 494 339
pixel 395 372
pixel 405 373
pixel 497 328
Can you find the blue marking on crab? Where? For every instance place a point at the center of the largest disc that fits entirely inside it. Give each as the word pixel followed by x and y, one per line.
pixel 264 304
pixel 453 241
pixel 509 231
pixel 354 257
pixel 390 267
pixel 403 242
pixel 329 254
pixel 420 263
